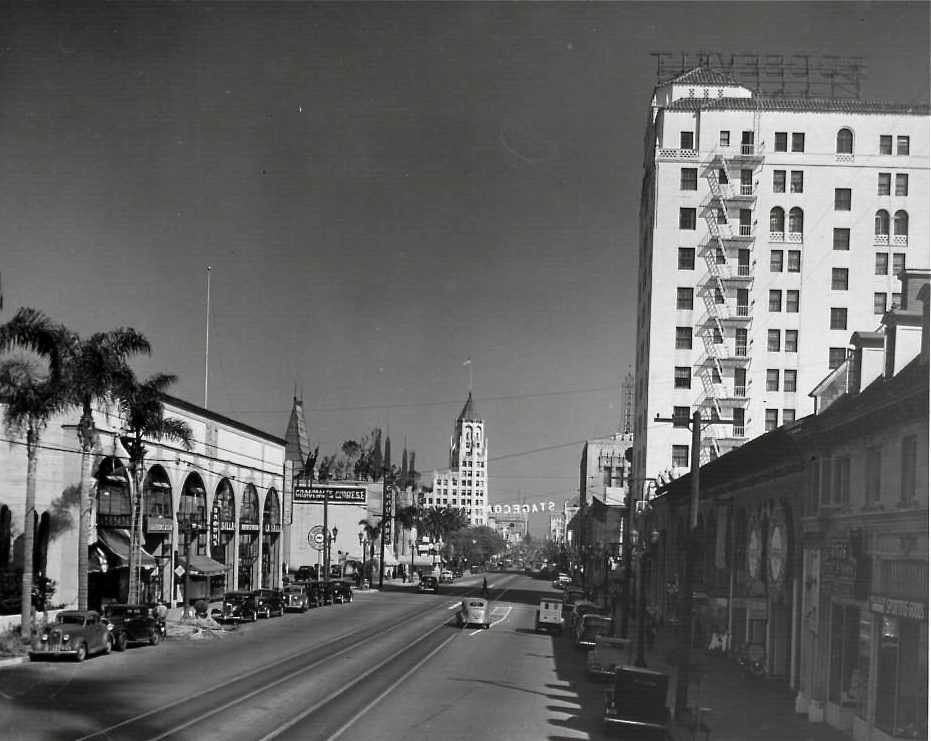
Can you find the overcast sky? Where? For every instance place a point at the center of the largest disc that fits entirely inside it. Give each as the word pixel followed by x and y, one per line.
pixel 381 191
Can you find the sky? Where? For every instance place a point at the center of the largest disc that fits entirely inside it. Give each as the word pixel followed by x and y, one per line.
pixel 381 192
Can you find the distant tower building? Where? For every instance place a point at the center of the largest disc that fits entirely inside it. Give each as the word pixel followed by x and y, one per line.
pixel 465 483
pixel 297 448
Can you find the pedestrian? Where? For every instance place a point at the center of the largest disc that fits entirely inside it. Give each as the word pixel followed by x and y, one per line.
pixel 485 586
pixel 651 632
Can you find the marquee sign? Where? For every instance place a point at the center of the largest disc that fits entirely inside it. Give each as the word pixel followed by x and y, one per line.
pixel 902 608
pixel 334 494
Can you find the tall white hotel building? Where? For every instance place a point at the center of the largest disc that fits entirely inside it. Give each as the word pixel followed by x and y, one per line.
pixel 771 230
pixel 465 483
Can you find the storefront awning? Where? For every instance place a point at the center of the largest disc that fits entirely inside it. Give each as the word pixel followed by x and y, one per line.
pixel 116 541
pixel 205 566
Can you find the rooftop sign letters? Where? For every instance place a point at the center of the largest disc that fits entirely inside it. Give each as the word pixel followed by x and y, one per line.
pixel 334 494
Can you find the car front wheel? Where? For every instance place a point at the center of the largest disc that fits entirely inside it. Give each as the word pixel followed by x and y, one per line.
pixel 121 642
pixel 80 652
pixel 108 644
pixel 155 639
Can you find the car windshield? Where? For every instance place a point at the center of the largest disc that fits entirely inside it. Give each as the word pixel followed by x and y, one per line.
pixel 71 619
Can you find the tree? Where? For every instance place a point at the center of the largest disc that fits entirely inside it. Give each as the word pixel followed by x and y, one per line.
pixel 93 369
pixel 142 410
pixel 32 395
pixel 372 533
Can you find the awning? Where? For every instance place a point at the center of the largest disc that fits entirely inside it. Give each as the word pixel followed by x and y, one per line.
pixel 204 565
pixel 116 541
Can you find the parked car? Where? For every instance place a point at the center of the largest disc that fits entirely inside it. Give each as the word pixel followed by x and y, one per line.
pixel 305 573
pixel 268 602
pixel 580 608
pixel 590 626
pixel 562 580
pixel 314 591
pixel 296 598
pixel 549 616
pixel 131 624
pixel 446 577
pixel 608 654
pixel 570 596
pixel 337 593
pixel 457 573
pixel 473 611
pixel 475 568
pixel 636 703
pixel 428 584
pixel 236 607
pixel 75 633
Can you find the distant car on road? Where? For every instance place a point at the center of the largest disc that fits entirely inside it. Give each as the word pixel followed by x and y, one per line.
pixel 236 607
pixel 131 624
pixel 428 584
pixel 475 568
pixel 446 577
pixel 75 633
pixel 562 581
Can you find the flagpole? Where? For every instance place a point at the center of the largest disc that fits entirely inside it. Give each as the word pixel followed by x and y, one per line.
pixel 207 344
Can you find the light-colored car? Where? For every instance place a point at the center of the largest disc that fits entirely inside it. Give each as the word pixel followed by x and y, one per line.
pixel 549 616
pixel 446 577
pixel 590 626
pixel 296 598
pixel 608 654
pixel 75 633
pixel 562 580
pixel 473 611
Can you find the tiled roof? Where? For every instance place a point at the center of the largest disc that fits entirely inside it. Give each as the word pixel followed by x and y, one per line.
pixel 701 76
pixel 799 105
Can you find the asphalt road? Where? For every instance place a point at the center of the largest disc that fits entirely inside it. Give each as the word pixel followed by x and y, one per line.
pixel 390 665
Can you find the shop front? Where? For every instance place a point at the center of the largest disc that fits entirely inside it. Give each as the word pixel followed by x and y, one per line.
pixel 271 540
pixel 223 528
pixel 248 576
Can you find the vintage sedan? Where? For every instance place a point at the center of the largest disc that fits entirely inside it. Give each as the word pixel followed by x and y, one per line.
pixel 296 598
pixel 237 607
pixel 337 592
pixel 131 624
pixel 268 602
pixel 473 611
pixel 428 584
pixel 591 625
pixel 75 633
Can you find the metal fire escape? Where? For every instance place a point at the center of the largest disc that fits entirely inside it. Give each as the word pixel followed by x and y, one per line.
pixel 725 290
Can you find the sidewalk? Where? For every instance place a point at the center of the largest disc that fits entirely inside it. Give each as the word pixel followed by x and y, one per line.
pixel 742 708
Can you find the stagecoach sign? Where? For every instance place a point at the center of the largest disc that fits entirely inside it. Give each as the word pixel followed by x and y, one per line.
pixel 334 494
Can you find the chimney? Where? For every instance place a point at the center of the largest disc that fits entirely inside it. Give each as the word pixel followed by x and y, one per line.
pixel 904 326
pixel 866 362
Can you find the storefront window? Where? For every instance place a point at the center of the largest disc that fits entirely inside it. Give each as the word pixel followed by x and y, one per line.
pixel 845 680
pixel 902 678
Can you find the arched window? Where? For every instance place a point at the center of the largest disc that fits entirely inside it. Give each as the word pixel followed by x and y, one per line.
pixel 777 220
pixel 900 224
pixel 844 142
pixel 882 223
pixel 796 220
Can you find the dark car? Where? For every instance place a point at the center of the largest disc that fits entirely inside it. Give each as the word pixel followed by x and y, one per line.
pixel 428 584
pixel 268 602
pixel 75 633
pixel 237 607
pixel 338 592
pixel 314 591
pixel 296 598
pixel 131 624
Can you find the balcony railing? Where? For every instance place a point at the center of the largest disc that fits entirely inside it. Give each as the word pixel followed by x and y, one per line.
pixel 843 157
pixel 740 391
pixel 777 236
pixel 677 154
pixel 740 351
pixel 900 240
pixel 745 230
pixel 881 239
pixel 795 237
pixel 743 310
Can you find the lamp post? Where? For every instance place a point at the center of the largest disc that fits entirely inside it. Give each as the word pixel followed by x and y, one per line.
pixel 190 530
pixel 330 537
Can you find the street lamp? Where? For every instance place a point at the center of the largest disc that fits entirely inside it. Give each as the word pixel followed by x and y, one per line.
pixel 191 529
pixel 330 537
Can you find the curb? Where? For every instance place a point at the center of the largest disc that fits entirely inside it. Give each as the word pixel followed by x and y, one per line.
pixel 14 661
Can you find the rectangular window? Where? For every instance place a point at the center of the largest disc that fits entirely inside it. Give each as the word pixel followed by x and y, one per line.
pixel 725 139
pixel 740 341
pixel 842 199
pixel 898 263
pixel 879 303
pixel 688 178
pixel 740 382
pixel 838 318
pixel 901 145
pixel 775 261
pixel 882 264
pixel 873 477
pixel 779 181
pixel 791 340
pixel 841 239
pixel 792 302
pixel 839 279
pixel 795 261
pixel 901 184
pixel 680 416
pixel 684 299
pixel 884 184
pixel 738 429
pixel 683 338
pixel 772 379
pixel 718 295
pixel 687 218
pixel 827 470
pixel 840 490
pixel 782 141
pixel 683 377
pixel 836 357
pixel 680 456
pixel 773 340
pixel 789 380
pixel 885 144
pixel 798 141
pixel 896 301
pixel 909 473
pixel 788 416
pixel 775 300
pixel 772 420
pixel 797 182
pixel 686 258
pixel 716 336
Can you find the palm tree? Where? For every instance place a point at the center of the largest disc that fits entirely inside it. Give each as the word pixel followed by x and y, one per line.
pixel 32 396
pixel 93 368
pixel 372 532
pixel 142 410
